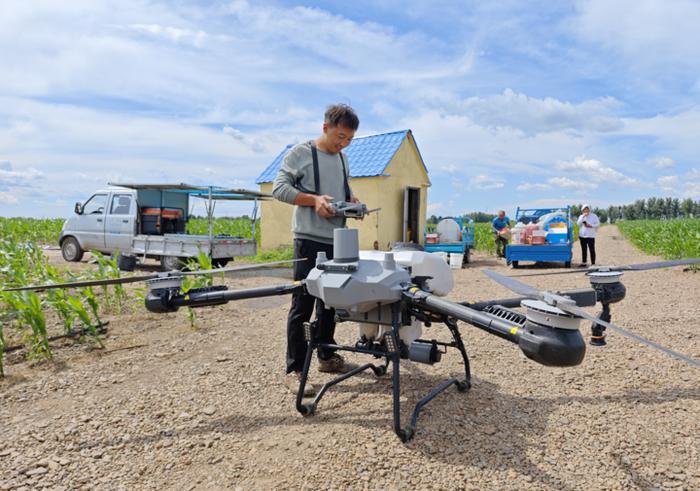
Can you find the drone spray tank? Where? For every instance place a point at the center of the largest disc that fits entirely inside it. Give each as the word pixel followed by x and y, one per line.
pixel 608 290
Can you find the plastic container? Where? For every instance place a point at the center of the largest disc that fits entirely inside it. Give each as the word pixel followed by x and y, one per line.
pixel 431 238
pixel 448 231
pixel 442 255
pixel 519 233
pixel 456 259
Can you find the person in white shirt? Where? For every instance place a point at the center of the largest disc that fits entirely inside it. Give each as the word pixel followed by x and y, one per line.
pixel 588 224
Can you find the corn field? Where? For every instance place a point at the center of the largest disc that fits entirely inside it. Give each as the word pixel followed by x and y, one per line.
pixel 671 239
pixel 36 230
pixel 26 316
pixel 234 226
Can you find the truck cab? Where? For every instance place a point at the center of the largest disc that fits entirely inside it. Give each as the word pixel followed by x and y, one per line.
pixel 105 222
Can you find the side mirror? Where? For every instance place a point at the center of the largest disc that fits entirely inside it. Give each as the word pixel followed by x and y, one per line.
pixel 78 209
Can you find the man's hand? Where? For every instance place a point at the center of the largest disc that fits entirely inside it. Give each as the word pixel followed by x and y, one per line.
pixel 322 205
pixel 355 200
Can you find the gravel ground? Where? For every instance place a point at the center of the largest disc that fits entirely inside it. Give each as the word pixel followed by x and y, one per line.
pixel 168 406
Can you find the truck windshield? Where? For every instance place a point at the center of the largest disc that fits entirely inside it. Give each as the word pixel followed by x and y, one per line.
pixel 95 205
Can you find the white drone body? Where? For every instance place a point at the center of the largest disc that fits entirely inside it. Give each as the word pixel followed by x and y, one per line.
pixel 419 264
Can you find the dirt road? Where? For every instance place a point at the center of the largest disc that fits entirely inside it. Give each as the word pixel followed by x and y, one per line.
pixel 168 406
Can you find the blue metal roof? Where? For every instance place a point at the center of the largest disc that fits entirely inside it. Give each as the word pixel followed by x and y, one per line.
pixel 367 156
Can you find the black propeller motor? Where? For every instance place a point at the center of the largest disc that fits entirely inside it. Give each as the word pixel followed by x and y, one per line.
pixel 609 289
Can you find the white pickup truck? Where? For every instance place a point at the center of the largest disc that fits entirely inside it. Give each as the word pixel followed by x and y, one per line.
pixel 149 221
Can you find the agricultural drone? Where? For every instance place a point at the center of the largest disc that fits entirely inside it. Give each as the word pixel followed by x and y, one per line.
pixel 393 295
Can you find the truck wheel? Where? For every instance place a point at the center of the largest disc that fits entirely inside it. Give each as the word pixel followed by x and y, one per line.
pixel 71 251
pixel 220 262
pixel 465 261
pixel 515 264
pixel 171 263
pixel 567 264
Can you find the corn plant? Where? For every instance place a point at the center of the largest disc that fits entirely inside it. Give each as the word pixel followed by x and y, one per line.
pixel 108 268
pixel 199 281
pixel 28 307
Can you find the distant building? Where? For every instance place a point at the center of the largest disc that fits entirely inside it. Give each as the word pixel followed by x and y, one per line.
pixel 387 172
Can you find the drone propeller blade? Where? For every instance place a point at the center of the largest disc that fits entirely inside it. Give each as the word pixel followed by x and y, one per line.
pixel 582 313
pixel 513 285
pixel 628 267
pixel 552 273
pixel 657 265
pixel 569 306
pixel 78 284
pixel 242 268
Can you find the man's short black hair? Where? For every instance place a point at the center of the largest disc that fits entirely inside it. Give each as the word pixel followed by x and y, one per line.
pixel 342 114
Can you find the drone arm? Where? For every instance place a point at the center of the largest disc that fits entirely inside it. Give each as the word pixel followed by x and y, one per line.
pixel 196 299
pixel 167 300
pixel 493 325
pixel 546 345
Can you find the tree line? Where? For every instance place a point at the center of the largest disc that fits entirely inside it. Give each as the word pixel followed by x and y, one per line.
pixel 646 209
pixel 641 209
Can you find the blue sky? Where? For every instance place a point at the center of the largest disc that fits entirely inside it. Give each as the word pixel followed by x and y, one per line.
pixel 511 103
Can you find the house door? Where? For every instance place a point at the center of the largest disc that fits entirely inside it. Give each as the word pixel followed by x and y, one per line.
pixel 411 210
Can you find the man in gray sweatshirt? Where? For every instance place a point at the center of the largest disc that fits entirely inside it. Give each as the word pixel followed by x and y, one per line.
pixel 314 174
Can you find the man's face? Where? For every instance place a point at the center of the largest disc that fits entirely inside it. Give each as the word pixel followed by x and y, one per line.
pixel 337 137
pixel 501 216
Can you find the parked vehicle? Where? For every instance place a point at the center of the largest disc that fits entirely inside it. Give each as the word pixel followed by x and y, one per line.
pixel 459 238
pixel 149 221
pixel 541 235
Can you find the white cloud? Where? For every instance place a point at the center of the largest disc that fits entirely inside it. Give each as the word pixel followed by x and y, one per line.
pixel 448 168
pixel 694 173
pixel 434 208
pixel 7 198
pixel 13 178
pixel 238 135
pixel 484 182
pixel 647 33
pixel 174 34
pixel 692 190
pixel 687 185
pixel 533 186
pixel 668 184
pixel 663 162
pixel 565 182
pixel 592 170
pixel 531 115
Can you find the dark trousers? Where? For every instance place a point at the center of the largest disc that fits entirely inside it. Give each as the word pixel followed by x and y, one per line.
pixel 587 244
pixel 501 243
pixel 303 307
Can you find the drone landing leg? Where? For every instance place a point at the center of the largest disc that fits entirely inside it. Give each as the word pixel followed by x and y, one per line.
pixel 310 408
pixel 392 340
pixel 465 385
pixel 306 409
pixel 462 385
pixel 598 331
